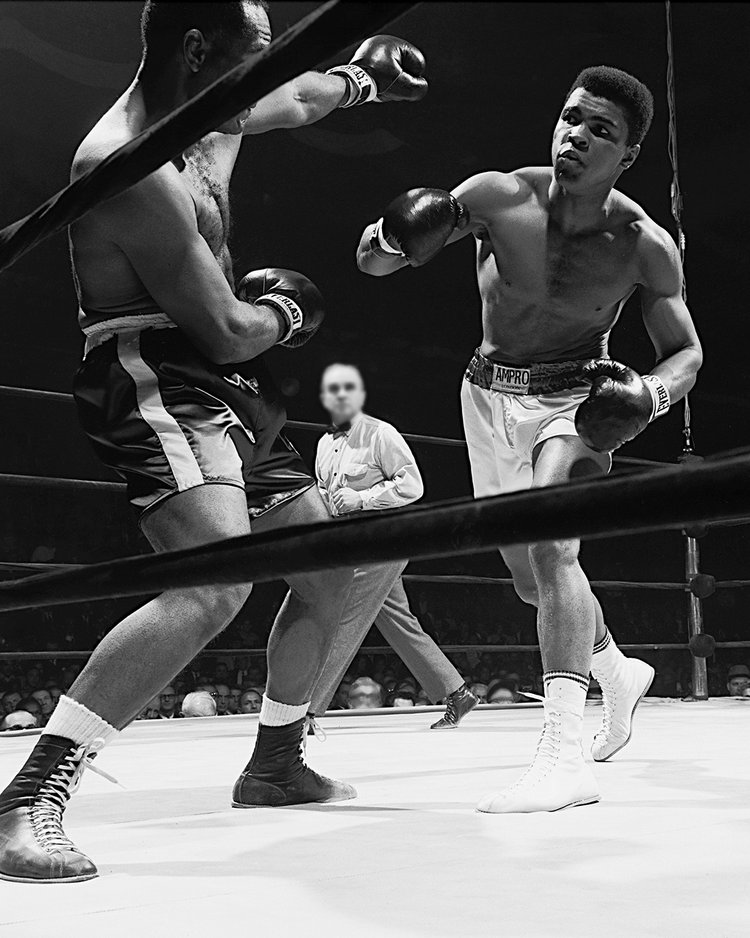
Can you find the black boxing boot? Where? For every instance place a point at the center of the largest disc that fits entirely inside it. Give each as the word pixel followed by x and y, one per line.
pixel 34 848
pixel 277 776
pixel 459 703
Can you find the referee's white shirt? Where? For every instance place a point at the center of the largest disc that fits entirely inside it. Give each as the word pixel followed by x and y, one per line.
pixel 373 459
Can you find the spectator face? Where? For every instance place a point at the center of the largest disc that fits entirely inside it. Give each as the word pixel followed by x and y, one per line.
pixel 365 695
pixel 502 695
pixel 250 702
pixel 255 676
pixel 234 699
pixel 11 700
pixel 55 693
pixel 402 702
pixel 221 674
pixel 44 699
pixel 480 691
pixel 33 678
pixel 151 711
pixel 167 700
pixel 738 685
pixel 222 699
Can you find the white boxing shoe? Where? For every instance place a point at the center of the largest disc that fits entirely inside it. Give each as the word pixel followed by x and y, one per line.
pixel 624 683
pixel 559 776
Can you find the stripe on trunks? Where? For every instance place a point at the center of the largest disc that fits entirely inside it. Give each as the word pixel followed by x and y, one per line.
pixel 600 646
pixel 185 469
pixel 568 675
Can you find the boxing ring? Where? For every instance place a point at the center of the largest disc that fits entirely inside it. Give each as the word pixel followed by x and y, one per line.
pixel 409 857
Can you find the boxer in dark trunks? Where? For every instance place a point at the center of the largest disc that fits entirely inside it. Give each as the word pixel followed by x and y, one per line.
pixel 196 436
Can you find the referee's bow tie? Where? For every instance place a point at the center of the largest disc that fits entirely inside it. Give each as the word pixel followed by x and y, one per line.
pixel 341 428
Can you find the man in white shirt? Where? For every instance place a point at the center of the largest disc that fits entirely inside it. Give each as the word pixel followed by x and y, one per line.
pixel 364 464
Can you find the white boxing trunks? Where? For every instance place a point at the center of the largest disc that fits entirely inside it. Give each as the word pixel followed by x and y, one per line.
pixel 508 410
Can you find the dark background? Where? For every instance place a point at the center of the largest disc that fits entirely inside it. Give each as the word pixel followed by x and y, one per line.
pixel 498 73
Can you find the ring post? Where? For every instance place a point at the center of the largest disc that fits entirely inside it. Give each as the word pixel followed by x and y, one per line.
pixel 695 619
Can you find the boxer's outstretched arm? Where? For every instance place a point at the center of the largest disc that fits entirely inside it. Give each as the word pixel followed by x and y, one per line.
pixel 481 196
pixel 665 315
pixel 304 100
pixel 154 225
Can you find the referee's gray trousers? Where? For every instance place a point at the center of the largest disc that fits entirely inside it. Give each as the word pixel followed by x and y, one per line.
pixel 377 596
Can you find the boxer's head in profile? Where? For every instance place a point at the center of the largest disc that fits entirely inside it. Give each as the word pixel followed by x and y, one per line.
pixel 187 46
pixel 605 117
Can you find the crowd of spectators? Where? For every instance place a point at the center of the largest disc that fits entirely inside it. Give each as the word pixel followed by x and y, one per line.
pixel 219 686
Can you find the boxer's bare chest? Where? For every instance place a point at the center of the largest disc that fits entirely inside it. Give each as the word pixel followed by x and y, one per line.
pixel 206 170
pixel 547 292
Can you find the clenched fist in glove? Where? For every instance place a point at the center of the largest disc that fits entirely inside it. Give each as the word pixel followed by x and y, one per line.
pixel 417 224
pixel 384 68
pixel 620 404
pixel 296 298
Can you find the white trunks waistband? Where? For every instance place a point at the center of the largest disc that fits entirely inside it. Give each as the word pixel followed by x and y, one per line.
pixel 538 378
pixel 100 332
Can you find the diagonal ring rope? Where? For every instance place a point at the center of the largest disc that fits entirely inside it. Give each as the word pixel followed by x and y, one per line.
pixel 667 498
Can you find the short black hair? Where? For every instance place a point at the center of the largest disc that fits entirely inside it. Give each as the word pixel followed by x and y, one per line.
pixel 625 90
pixel 164 23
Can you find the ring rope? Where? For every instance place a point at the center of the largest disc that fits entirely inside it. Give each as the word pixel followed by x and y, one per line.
pixel 445 579
pixel 325 31
pixel 602 507
pixel 435 579
pixel 367 650
pixel 59 397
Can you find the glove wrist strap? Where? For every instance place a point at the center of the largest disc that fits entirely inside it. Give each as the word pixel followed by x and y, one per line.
pixel 380 246
pixel 290 311
pixel 360 84
pixel 659 395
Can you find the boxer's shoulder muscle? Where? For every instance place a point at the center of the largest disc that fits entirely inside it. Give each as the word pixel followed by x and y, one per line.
pixel 489 192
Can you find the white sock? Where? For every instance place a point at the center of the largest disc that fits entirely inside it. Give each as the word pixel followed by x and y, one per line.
pixel 568 686
pixel 273 713
pixel 72 720
pixel 606 656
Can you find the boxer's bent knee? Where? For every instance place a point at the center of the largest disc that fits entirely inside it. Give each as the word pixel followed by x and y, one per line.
pixel 549 558
pixel 206 611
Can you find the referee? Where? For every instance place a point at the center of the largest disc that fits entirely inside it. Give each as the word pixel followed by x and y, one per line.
pixel 364 464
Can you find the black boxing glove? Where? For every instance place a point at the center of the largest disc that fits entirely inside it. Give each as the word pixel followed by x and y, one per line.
pixel 620 404
pixel 292 295
pixel 419 221
pixel 384 68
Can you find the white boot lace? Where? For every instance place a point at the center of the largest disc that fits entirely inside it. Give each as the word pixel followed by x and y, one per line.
pixel 548 748
pixel 318 732
pixel 46 810
pixel 609 703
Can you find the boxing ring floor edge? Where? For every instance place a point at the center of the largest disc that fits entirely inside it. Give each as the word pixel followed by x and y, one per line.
pixel 660 855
